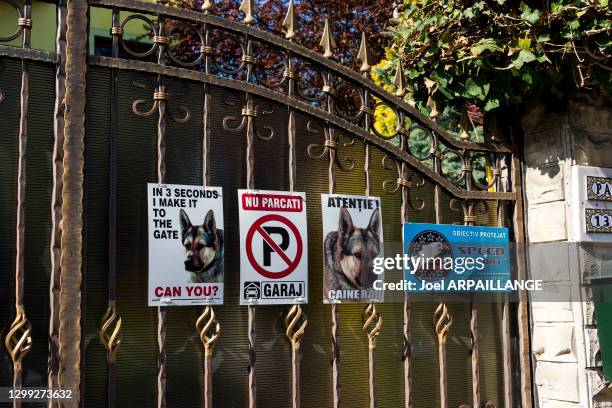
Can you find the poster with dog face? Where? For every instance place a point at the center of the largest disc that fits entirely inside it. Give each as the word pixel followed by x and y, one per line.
pixel 273 247
pixel 352 239
pixel 185 245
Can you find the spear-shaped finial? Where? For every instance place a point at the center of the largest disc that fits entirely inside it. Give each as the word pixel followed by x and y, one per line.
pixel 364 55
pixel 207 5
pixel 248 7
pixel 400 80
pixel 290 21
pixel 327 40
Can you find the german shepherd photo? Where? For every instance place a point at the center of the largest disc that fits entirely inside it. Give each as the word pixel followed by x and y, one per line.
pixel 350 252
pixel 203 249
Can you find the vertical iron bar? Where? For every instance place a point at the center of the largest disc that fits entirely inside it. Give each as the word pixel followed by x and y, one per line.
pixel 112 204
pixel 206 129
pixel 56 198
pixel 437 165
pixel 161 178
pixel 368 191
pixel 372 374
pixel 295 376
pixel 18 340
pixel 207 324
pixel 72 236
pixel 523 311
pixel 250 161
pixel 291 123
pixel 295 343
pixel 506 340
pixel 442 321
pixel 475 354
pixel 371 344
pixel 442 364
pixel 336 354
pixel 469 219
pixel 407 356
pixel 111 342
pixel 252 357
pixel 335 315
pixel 208 376
pixel 475 357
pixel 21 183
pixel 208 403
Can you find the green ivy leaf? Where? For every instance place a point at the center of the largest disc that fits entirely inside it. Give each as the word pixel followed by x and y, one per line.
pixel 524 43
pixel 544 37
pixel 471 87
pixel 486 44
pixel 529 15
pixel 523 57
pixel 556 6
pixel 485 89
pixel 445 92
pixel 492 103
pixel 543 58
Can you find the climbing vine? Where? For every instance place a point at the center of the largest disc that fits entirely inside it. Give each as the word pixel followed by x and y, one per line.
pixel 498 53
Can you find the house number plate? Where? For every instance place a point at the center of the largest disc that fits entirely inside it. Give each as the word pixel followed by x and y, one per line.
pixel 598 220
pixel 599 188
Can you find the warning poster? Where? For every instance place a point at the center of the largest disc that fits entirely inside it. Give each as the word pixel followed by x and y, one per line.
pixel 185 245
pixel 352 239
pixel 273 247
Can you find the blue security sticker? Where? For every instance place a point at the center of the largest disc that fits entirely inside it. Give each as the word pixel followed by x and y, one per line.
pixel 455 258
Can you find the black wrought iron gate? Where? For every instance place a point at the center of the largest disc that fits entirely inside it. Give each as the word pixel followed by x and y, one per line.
pixel 190 103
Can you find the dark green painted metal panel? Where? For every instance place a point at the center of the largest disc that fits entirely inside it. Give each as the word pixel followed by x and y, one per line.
pixel 602 296
pixel 37 213
pixel 137 356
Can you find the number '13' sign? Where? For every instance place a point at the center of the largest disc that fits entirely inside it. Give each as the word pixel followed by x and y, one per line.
pixel 598 220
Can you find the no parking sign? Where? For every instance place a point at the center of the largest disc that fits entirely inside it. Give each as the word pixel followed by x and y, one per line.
pixel 273 247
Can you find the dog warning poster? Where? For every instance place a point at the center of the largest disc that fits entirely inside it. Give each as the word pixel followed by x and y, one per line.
pixel 185 245
pixel 352 239
pixel 273 247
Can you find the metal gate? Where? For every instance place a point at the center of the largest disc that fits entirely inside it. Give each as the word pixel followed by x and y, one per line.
pixel 84 132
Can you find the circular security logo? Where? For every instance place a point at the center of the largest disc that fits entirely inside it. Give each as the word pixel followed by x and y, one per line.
pixel 429 250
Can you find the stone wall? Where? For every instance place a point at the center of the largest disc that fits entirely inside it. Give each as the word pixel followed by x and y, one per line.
pixel 565 347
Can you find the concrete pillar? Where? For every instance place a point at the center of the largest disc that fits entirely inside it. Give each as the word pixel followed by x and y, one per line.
pixel 564 333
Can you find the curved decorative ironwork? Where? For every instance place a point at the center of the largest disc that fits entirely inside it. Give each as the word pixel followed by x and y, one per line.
pixel 208 328
pixel 403 182
pixel 176 28
pixel 309 109
pixel 18 341
pixel 330 143
pixel 442 321
pixel 22 22
pixel 342 73
pixel 250 110
pixel 160 93
pixel 471 209
pixel 372 322
pixel 295 323
pixel 110 330
pixel 222 61
pixel 150 26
